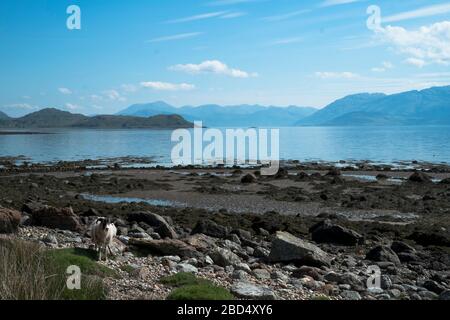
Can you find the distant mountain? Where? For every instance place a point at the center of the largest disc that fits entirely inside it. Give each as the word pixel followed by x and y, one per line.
pixel 54 118
pixel 3 116
pixel 425 107
pixel 221 116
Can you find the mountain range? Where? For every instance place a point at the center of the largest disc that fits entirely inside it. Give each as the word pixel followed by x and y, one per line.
pixel 425 107
pixel 54 118
pixel 226 116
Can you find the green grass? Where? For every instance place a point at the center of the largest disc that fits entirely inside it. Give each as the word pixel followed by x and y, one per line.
pixel 183 279
pixel 83 258
pixel 127 268
pixel 92 287
pixel 189 287
pixel 29 272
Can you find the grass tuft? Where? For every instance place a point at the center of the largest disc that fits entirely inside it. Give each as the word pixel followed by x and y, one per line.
pixel 189 287
pixel 29 272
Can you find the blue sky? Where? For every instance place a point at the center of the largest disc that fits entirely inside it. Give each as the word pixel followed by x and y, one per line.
pixel 193 52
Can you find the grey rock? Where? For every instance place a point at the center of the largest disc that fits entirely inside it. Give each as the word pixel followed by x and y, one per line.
pixel 383 254
pixel 161 226
pixel 395 293
pixel 249 178
pixel 243 266
pixel 239 275
pixel 428 295
pixel 288 248
pixel 261 274
pixel 166 247
pixel 445 295
pixel 433 286
pixel 210 228
pixel 346 278
pixel 327 232
pixel 400 246
pixel 261 252
pixel 386 282
pixel 278 275
pixel 224 257
pixel 350 295
pixel 250 291
pixel 50 239
pixel 185 267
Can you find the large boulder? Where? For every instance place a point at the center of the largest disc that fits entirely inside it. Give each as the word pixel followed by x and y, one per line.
pixel 431 238
pixel 419 177
pixel 56 218
pixel 9 220
pixel 161 226
pixel 245 290
pixel 288 248
pixel 383 254
pixel 201 242
pixel 210 228
pixel 249 178
pixel 167 247
pixel 224 257
pixel 327 232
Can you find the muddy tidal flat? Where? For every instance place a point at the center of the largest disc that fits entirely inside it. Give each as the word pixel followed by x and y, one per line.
pixel 358 214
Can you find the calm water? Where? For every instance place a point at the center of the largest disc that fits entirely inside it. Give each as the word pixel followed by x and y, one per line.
pixel 381 144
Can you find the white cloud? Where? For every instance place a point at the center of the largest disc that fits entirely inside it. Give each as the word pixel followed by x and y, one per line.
pixel 129 87
pixel 22 106
pixel 113 95
pixel 212 66
pixel 65 90
pixel 231 2
pixel 430 44
pixel 287 41
pixel 419 13
pixel 416 62
pixel 71 106
pixel 166 86
pixel 330 3
pixel 336 75
pixel 386 65
pixel 285 16
pixel 180 36
pixel 233 15
pixel 199 17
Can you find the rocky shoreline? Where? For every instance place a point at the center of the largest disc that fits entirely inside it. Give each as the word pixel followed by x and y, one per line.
pixel 324 230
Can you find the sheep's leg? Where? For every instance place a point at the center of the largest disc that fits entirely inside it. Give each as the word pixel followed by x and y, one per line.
pixel 106 253
pixel 100 254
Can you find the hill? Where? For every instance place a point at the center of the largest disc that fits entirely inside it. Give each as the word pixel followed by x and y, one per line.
pixel 54 118
pixel 425 107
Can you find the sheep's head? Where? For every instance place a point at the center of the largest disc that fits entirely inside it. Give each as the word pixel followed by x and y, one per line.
pixel 104 222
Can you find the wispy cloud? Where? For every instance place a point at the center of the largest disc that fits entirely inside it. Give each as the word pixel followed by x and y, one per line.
pixel 336 75
pixel 233 15
pixel 212 66
pixel 167 86
pixel 287 41
pixel 386 65
pixel 174 37
pixel 65 91
pixel 419 13
pixel 286 16
pixel 202 16
pixel 232 2
pixel 330 3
